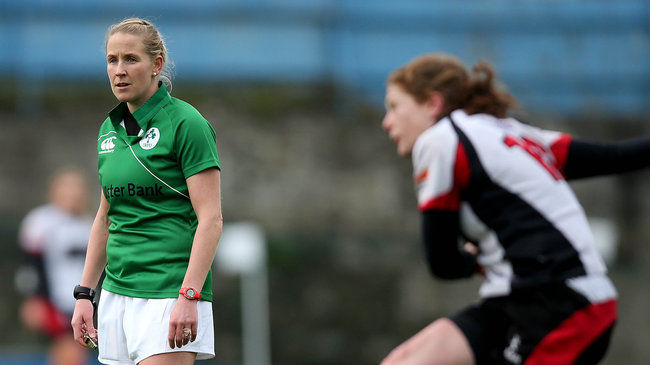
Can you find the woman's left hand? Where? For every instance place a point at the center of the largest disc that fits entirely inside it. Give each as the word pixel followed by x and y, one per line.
pixel 473 249
pixel 184 317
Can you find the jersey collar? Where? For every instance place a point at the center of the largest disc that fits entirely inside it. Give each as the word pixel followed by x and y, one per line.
pixel 145 112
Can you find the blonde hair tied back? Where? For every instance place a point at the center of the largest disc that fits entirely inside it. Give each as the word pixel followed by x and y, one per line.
pixel 152 40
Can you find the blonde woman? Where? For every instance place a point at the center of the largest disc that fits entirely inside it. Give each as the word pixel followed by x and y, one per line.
pixel 159 220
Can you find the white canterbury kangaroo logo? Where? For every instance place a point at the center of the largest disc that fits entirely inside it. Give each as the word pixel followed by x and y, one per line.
pixel 108 144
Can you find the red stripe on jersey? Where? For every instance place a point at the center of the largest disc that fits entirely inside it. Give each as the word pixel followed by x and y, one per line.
pixel 564 344
pixel 34 252
pixel 560 149
pixel 56 323
pixel 451 199
pixel 421 177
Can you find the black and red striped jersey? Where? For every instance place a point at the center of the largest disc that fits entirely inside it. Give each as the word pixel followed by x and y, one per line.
pixel 505 181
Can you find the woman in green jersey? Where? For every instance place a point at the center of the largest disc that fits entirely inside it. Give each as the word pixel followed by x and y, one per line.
pixel 159 219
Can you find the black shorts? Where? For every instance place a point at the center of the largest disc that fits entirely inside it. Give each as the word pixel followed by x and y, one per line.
pixel 544 325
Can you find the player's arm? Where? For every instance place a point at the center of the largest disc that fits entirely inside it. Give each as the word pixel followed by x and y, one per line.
pixel 32 241
pixel 96 252
pixel 205 195
pixel 588 158
pixel 31 280
pixel 446 259
pixel 82 318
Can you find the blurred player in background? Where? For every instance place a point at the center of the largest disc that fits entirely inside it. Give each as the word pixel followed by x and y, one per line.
pixel 502 185
pixel 159 218
pixel 54 237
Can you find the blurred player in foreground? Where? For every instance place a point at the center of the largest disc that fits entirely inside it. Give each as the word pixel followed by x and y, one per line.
pixel 159 218
pixel 54 237
pixel 501 185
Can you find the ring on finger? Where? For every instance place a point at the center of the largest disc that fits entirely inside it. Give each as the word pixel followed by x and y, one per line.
pixel 187 332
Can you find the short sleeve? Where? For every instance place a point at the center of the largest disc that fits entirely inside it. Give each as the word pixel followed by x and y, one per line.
pixel 195 146
pixel 434 163
pixel 33 230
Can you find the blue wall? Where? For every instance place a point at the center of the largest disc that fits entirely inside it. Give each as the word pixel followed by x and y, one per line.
pixel 555 55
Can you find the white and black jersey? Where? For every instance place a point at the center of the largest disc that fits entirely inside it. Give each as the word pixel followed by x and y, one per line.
pixel 56 243
pixel 501 184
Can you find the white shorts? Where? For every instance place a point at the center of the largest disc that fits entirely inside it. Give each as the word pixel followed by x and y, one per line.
pixel 132 329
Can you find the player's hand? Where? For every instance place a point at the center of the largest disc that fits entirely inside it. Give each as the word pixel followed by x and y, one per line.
pixel 33 313
pixel 474 250
pixel 471 248
pixel 82 322
pixel 184 317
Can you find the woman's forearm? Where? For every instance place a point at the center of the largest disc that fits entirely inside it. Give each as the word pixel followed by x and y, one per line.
pixel 96 252
pixel 205 194
pixel 204 248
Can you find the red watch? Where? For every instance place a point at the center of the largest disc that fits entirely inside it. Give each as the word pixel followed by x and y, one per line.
pixel 190 293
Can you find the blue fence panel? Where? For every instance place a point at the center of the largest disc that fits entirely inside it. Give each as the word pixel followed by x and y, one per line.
pixel 558 56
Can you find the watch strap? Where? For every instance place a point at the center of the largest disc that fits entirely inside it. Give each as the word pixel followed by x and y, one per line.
pixel 187 293
pixel 83 292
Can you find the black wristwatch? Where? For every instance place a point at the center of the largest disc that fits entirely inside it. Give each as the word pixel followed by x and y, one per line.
pixel 82 292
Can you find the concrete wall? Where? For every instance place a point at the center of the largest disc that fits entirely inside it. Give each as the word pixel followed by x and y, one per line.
pixel 347 278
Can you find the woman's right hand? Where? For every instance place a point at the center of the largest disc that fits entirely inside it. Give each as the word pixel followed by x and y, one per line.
pixel 82 321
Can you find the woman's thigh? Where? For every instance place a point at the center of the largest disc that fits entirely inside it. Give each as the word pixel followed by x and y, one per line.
pixel 170 358
pixel 441 342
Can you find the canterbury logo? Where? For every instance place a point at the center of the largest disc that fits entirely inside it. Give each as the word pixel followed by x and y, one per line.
pixel 108 144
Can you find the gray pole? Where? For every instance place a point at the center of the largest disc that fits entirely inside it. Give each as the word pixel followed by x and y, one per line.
pixel 242 250
pixel 255 317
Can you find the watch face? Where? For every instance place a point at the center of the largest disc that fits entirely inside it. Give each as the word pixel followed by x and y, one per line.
pixel 190 293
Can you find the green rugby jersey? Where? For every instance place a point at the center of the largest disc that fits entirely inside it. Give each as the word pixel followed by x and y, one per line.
pixel 152 220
